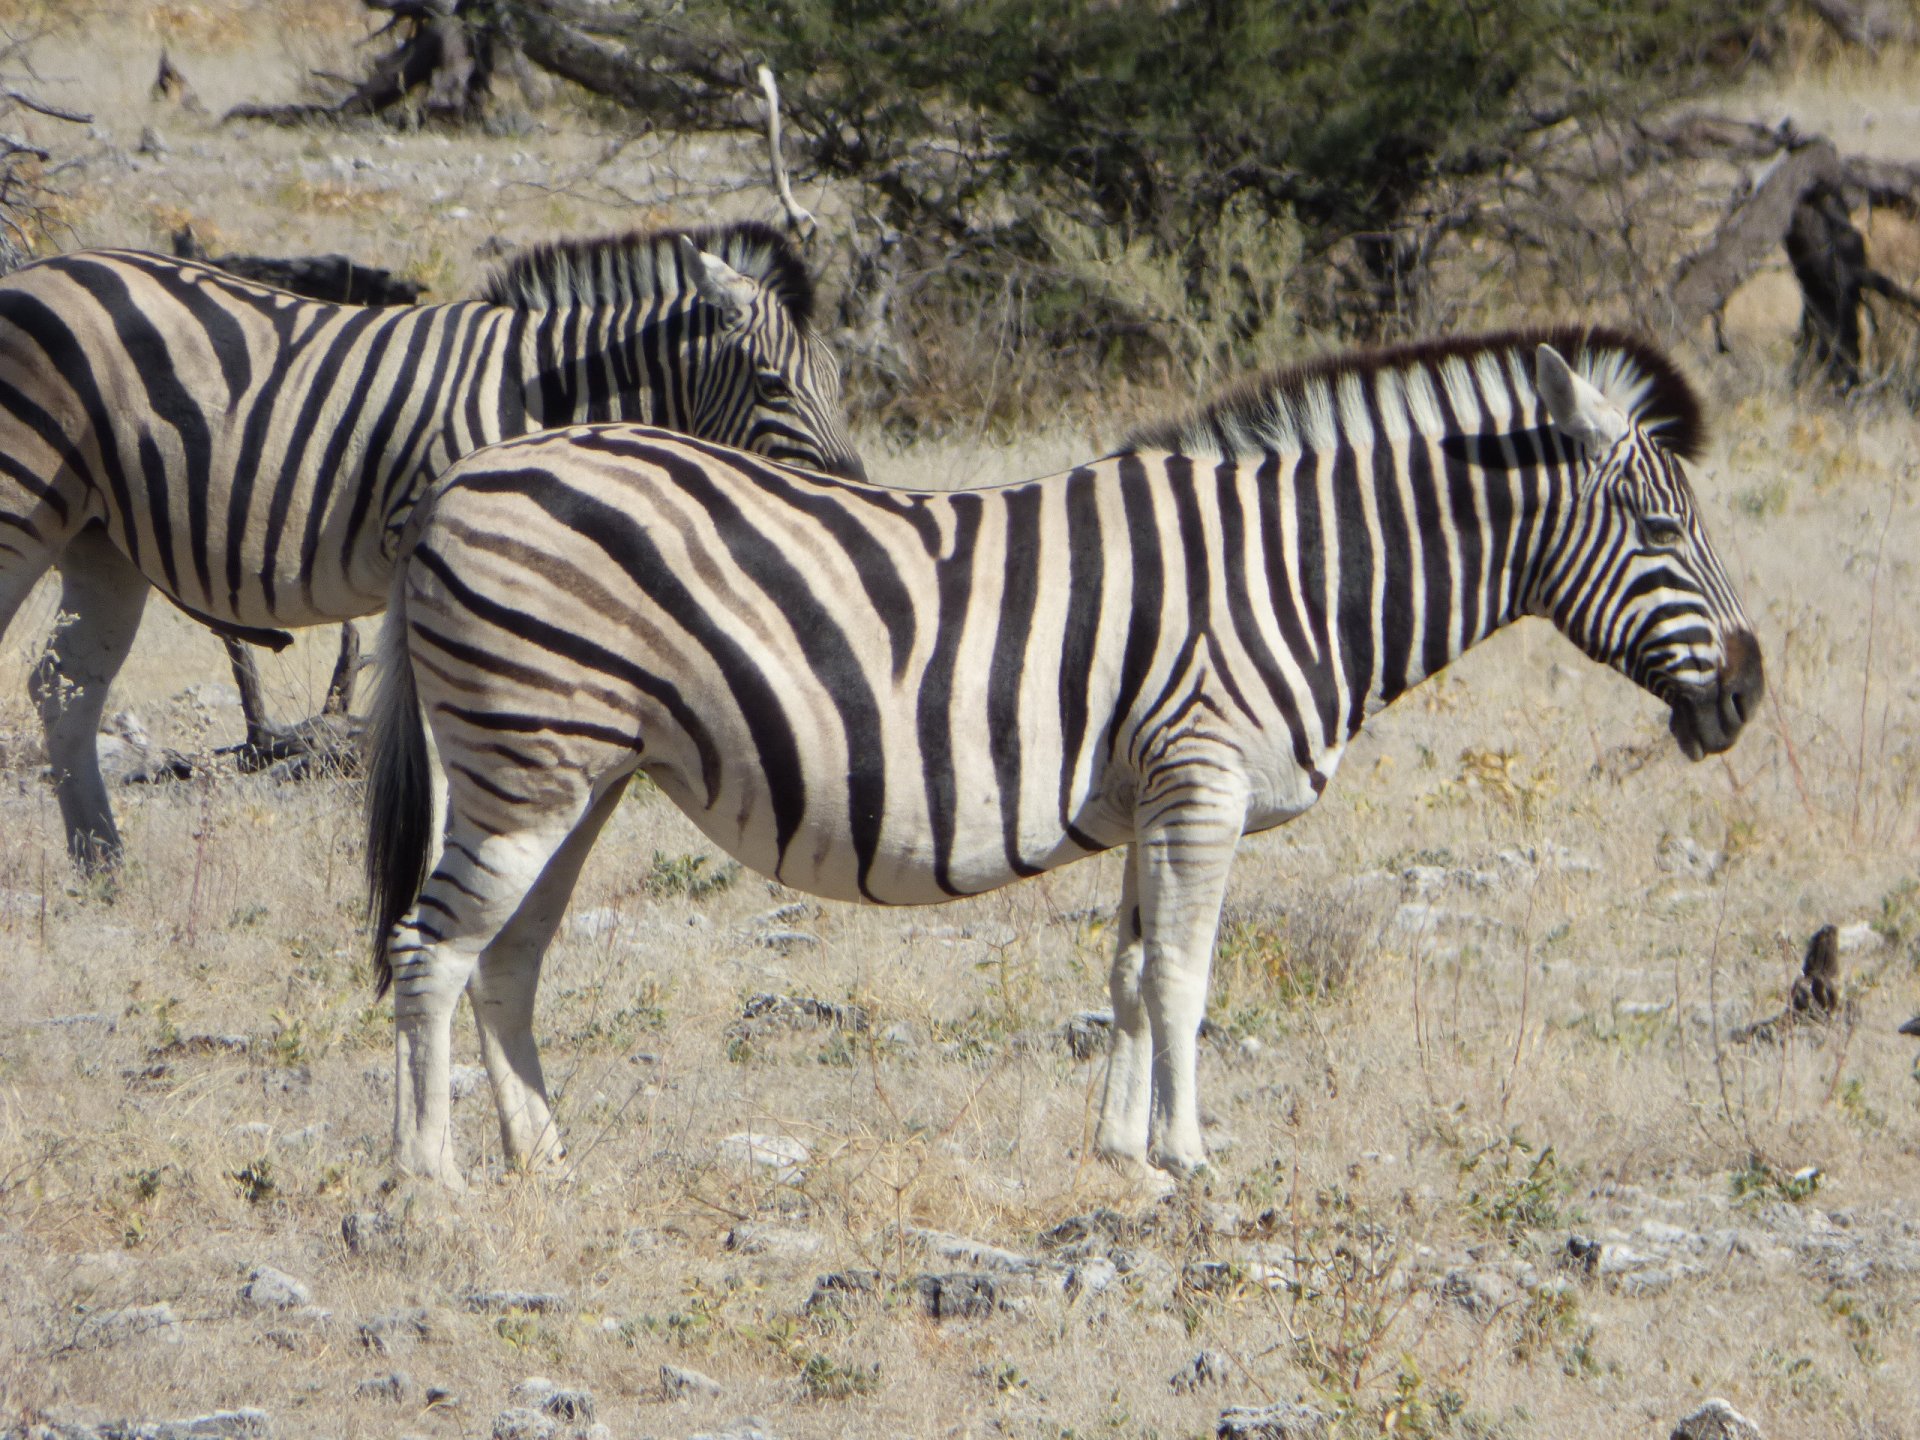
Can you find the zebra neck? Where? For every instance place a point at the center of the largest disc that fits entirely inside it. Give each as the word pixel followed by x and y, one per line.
pixel 1399 561
pixel 584 364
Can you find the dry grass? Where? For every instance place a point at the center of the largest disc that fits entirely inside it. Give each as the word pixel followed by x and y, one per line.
pixel 1389 1103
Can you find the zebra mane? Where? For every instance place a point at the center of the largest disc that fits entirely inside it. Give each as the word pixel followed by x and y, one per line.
pixel 1296 407
pixel 644 265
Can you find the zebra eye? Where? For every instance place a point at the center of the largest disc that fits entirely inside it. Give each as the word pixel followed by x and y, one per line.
pixel 1662 532
pixel 773 385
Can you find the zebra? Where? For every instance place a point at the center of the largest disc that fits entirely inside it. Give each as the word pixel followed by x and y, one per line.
pixel 902 697
pixel 251 453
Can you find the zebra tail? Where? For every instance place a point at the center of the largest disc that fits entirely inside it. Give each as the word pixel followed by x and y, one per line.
pixel 399 789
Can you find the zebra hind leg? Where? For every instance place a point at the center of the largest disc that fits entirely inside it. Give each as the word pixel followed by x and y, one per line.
pixel 481 881
pixel 502 991
pixel 1123 1106
pixel 102 595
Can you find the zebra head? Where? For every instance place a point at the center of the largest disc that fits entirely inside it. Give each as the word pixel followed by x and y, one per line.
pixel 1636 583
pixel 770 369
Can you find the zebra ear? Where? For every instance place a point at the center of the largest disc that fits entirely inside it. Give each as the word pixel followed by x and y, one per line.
pixel 1579 409
pixel 718 283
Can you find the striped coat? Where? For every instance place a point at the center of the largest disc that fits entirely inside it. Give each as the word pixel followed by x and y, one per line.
pixel 901 696
pixel 250 453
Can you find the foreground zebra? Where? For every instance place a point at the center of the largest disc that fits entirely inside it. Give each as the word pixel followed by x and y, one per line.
pixel 252 453
pixel 903 697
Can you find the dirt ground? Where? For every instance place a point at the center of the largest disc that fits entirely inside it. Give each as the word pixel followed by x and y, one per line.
pixel 1493 1154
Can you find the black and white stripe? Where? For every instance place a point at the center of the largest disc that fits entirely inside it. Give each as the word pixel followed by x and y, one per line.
pixel 902 696
pixel 251 453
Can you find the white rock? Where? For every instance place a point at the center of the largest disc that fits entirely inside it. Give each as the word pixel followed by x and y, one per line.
pixel 271 1289
pixel 1272 1422
pixel 1619 1260
pixel 521 1423
pixel 466 1080
pixel 111 1327
pixel 677 1382
pixel 1661 1233
pixel 974 1253
pixel 1684 855
pixel 1209 1367
pixel 533 1392
pixel 1091 1276
pixel 593 923
pixel 784 1155
pixel 1857 937
pixel 782 1241
pixel 747 1427
pixel 1715 1420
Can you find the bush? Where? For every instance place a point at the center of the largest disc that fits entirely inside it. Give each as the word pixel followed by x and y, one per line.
pixel 1134 185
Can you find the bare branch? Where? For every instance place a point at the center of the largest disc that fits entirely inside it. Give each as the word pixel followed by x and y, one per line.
pixel 1879 284
pixel 14 145
pixel 40 107
pixel 799 218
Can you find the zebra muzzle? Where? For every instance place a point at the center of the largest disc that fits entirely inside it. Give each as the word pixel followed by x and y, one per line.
pixel 1707 719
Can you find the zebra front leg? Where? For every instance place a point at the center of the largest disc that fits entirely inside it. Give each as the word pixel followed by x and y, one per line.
pixel 103 594
pixel 1184 858
pixel 502 990
pixel 1123 1106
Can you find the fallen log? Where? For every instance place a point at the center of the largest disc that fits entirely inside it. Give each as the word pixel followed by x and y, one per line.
pixel 320 277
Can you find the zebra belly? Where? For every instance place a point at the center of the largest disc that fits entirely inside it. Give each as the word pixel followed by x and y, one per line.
pixel 902 861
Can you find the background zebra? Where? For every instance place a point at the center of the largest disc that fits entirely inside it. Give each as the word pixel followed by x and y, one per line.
pixel 903 697
pixel 251 453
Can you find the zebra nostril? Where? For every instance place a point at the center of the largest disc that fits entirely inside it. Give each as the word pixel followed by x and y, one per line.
pixel 1743 676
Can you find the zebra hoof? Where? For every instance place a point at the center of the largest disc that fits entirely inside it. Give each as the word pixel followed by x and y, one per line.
pixel 1179 1165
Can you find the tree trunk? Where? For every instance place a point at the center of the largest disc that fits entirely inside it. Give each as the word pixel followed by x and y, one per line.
pixel 1829 258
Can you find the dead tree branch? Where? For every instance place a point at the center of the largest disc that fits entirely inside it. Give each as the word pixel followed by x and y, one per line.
pixel 799 218
pixel 40 107
pixel 1748 236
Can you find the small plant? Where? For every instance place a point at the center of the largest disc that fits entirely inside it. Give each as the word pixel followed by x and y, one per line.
pixel 1550 1323
pixel 142 1185
pixel 1760 1179
pixel 1860 1112
pixel 1412 1412
pixel 1508 1200
pixel 645 1015
pixel 688 875
pixel 839 1051
pixel 527 1334
pixel 255 1181
pixel 1769 498
pixel 827 1379
pixel 168 1030
pixel 1856 1318
pixel 1269 963
pixel 288 1042
pixel 976 1036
